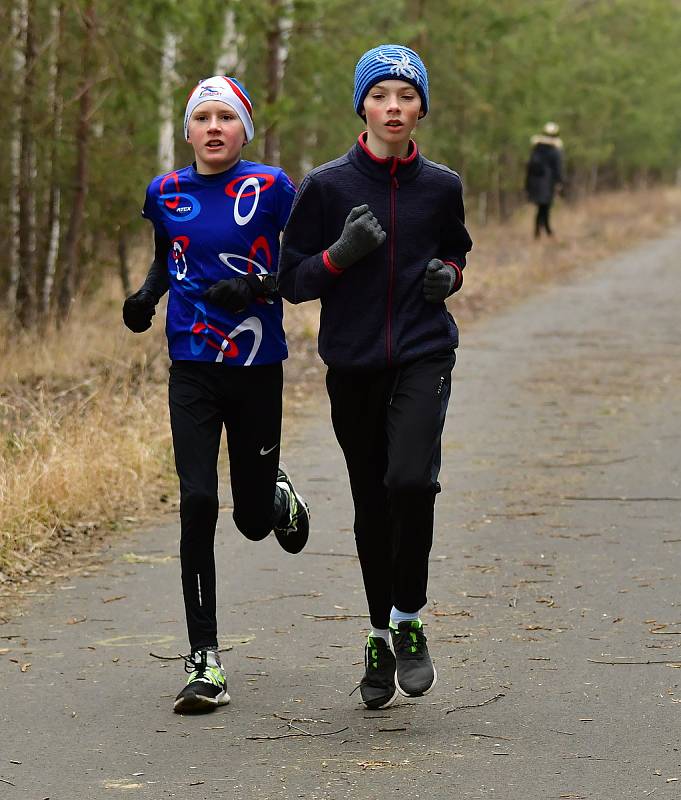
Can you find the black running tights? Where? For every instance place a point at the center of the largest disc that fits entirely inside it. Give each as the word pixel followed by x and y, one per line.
pixel 389 425
pixel 204 397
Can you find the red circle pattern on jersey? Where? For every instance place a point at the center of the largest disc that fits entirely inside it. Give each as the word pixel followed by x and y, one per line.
pixel 172 204
pixel 232 190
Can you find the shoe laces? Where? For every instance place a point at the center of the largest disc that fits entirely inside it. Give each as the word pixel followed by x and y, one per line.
pixel 291 525
pixel 410 643
pixel 196 664
pixel 376 658
pixel 191 664
pixel 372 654
pixel 378 671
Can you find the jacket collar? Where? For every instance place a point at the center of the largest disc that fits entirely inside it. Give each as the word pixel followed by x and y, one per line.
pixel 554 141
pixel 404 169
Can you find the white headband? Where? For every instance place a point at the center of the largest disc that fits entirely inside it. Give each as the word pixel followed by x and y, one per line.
pixel 224 90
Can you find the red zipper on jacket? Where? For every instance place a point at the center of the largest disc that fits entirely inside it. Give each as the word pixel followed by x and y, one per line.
pixel 394 161
pixel 394 186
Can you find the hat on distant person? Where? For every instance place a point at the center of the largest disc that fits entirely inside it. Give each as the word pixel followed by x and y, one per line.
pixel 223 90
pixel 390 62
pixel 551 129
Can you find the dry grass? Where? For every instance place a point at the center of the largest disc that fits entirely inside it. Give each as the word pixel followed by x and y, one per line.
pixel 84 434
pixel 507 263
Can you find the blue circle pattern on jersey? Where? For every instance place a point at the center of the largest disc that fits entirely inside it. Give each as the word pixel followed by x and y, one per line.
pixel 178 206
pixel 390 62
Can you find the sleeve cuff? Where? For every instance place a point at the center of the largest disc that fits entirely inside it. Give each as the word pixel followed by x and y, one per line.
pixel 328 263
pixel 458 280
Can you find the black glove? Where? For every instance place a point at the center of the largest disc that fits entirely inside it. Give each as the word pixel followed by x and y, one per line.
pixel 438 281
pixel 235 294
pixel 361 234
pixel 138 309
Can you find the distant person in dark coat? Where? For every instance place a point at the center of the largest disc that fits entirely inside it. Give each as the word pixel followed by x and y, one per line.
pixel 544 174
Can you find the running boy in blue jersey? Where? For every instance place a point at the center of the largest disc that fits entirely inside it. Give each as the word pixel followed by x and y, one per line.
pixel 217 224
pixel 379 236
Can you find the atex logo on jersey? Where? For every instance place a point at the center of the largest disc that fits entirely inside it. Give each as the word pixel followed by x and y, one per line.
pixel 179 207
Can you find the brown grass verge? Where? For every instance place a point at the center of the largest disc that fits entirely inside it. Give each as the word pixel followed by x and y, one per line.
pixel 84 434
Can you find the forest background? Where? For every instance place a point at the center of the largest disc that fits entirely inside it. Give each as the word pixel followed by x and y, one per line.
pixel 94 96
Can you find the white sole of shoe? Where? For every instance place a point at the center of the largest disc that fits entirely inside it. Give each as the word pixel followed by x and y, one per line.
pixel 387 704
pixel 420 694
pixel 195 704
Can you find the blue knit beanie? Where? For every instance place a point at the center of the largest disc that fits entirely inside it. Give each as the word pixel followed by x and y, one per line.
pixel 390 62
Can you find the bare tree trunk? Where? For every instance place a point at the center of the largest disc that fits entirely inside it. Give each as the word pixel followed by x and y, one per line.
pixel 277 53
pixel 123 262
pixel 56 70
pixel 482 208
pixel 18 34
pixel 417 13
pixel 310 137
pixel 166 133
pixel 228 62
pixel 26 305
pixel 73 234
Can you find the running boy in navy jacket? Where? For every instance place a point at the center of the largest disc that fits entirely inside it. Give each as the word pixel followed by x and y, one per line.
pixel 379 236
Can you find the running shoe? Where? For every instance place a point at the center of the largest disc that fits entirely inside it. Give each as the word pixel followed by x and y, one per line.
pixel 416 674
pixel 293 530
pixel 206 688
pixel 377 687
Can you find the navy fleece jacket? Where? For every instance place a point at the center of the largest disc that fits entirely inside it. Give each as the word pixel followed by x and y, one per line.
pixel 374 314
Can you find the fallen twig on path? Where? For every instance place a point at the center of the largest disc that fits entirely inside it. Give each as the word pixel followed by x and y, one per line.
pixel 113 599
pixel 478 705
pixel 277 597
pixel 336 616
pixel 622 499
pixel 488 736
pixel 338 555
pixel 517 514
pixel 301 719
pixel 640 663
pixel 292 735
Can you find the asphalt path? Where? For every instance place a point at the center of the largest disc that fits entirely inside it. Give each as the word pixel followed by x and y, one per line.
pixel 556 553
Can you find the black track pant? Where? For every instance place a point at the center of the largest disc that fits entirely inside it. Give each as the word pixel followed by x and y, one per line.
pixel 389 424
pixel 203 398
pixel 542 219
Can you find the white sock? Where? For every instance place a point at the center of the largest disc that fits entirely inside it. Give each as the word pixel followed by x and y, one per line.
pixel 381 633
pixel 397 616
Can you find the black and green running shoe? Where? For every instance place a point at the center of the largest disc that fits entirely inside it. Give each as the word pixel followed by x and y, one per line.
pixel 206 688
pixel 416 674
pixel 377 687
pixel 293 530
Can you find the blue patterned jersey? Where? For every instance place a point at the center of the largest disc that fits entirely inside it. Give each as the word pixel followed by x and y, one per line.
pixel 219 227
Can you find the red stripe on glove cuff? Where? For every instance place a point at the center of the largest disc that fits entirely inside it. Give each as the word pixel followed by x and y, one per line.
pixel 458 283
pixel 328 263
